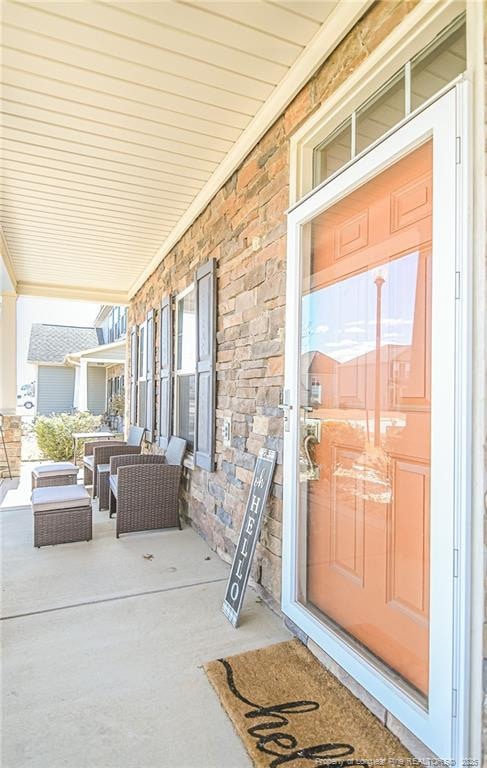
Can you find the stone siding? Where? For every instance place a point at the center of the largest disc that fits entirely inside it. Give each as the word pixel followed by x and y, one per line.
pixel 244 229
pixel 12 431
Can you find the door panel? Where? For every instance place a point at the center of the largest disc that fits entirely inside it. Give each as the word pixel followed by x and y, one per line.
pixel 366 382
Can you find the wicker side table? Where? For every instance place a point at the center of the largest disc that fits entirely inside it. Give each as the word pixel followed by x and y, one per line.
pixel 55 473
pixel 61 514
pixel 103 485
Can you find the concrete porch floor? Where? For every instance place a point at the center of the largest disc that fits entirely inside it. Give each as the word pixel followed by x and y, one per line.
pixel 103 650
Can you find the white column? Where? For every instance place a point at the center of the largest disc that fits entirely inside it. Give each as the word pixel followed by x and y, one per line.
pixel 8 353
pixel 76 387
pixel 83 386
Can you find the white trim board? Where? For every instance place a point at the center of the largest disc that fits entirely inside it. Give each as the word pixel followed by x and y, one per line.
pixel 476 161
pixel 336 27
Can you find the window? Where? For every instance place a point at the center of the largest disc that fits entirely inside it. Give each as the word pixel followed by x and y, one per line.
pixel 380 113
pixel 424 75
pixel 315 393
pixel 438 64
pixel 110 327
pixel 141 378
pixel 116 323
pixel 185 366
pixel 334 152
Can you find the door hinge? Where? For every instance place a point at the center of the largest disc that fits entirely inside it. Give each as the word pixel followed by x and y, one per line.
pixel 455 563
pixel 454 702
pixel 458 150
pixel 457 285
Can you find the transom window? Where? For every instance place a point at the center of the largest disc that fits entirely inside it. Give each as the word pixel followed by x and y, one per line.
pixel 185 366
pixel 418 80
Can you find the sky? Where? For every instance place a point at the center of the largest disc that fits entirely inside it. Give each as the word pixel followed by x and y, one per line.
pixel 38 310
pixel 340 319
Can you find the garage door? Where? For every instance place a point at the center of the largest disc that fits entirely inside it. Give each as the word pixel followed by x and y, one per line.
pixel 55 389
pixel 96 389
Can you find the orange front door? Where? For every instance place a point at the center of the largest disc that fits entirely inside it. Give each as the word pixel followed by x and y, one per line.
pixel 366 403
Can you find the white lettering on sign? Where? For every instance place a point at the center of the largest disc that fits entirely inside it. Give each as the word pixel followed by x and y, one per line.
pixel 239 569
pixel 250 525
pixel 234 591
pixel 261 481
pixel 254 504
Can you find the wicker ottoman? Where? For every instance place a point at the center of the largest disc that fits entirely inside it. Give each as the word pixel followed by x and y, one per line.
pixel 61 514
pixel 57 473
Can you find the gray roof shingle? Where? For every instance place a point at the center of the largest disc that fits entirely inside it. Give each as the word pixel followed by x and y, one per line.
pixel 51 343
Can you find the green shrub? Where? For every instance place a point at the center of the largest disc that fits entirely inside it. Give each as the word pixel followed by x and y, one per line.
pixel 55 434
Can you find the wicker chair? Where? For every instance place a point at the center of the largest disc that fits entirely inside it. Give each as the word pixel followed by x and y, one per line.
pixel 134 440
pixel 144 492
pixel 102 455
pixel 88 458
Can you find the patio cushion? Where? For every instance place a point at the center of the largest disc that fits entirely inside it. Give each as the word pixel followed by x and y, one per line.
pixel 88 460
pixel 55 468
pixel 59 497
pixel 114 484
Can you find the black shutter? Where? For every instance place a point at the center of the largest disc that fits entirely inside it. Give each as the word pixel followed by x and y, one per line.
pixel 204 442
pixel 133 374
pixel 150 393
pixel 165 373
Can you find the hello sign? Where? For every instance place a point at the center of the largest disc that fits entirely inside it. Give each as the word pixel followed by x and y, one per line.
pixel 249 534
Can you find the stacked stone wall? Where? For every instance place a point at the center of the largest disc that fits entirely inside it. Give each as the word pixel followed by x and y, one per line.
pixel 244 229
pixel 12 432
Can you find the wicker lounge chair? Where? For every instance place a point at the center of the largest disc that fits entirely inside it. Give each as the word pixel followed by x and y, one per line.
pixel 144 490
pixel 134 440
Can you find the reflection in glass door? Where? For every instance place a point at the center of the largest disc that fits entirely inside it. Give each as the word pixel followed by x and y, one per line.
pixel 365 415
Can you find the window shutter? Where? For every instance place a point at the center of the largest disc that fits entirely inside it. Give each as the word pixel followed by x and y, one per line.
pixel 205 289
pixel 150 393
pixel 165 373
pixel 133 374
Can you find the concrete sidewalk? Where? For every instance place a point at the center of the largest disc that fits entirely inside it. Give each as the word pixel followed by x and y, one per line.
pixel 103 649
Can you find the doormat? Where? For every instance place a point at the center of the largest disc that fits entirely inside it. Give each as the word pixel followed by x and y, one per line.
pixel 290 711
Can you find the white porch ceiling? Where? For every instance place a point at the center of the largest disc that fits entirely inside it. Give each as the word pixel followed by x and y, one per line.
pixel 117 117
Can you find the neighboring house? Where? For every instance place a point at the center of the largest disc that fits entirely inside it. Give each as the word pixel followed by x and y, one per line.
pixel 101 368
pixel 79 367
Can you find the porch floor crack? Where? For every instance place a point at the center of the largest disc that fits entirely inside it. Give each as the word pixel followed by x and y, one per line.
pixel 112 599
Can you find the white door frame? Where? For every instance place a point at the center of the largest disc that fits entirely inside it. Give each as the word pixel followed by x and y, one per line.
pixel 443 726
